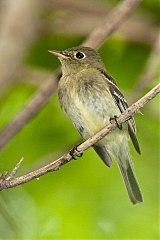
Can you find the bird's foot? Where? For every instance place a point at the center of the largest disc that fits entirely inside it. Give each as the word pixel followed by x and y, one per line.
pixel 115 119
pixel 74 150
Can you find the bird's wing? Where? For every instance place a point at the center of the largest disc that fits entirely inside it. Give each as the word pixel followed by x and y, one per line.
pixel 122 105
pixel 103 154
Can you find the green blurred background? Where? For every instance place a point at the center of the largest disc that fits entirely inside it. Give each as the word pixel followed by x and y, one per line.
pixel 84 199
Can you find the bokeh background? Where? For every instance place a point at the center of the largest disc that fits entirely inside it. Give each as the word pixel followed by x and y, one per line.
pixel 84 199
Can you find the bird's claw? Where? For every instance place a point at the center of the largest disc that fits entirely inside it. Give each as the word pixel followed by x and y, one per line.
pixel 73 151
pixel 115 119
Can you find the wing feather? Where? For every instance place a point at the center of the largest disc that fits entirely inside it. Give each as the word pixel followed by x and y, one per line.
pixel 122 105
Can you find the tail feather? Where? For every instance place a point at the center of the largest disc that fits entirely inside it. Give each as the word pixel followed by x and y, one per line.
pixel 127 171
pixel 131 182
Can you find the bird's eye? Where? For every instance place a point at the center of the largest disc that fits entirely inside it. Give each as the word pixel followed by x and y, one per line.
pixel 80 55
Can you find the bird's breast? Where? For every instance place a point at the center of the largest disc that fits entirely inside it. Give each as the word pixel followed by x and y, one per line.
pixel 87 102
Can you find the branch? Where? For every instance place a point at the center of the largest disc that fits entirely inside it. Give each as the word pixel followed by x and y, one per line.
pixel 123 11
pixel 118 15
pixel 151 70
pixel 150 73
pixel 33 106
pixel 15 37
pixel 9 182
pixel 92 13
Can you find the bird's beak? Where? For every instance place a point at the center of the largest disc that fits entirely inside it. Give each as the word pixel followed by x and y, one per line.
pixel 58 54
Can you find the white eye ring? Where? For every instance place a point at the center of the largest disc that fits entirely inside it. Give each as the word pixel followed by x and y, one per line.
pixel 80 55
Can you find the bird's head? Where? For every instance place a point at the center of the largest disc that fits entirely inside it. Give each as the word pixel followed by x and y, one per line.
pixel 78 58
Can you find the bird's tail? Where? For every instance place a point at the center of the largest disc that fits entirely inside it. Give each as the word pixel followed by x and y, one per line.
pixel 131 183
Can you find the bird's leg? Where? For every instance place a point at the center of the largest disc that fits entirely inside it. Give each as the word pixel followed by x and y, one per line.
pixel 73 150
pixel 115 119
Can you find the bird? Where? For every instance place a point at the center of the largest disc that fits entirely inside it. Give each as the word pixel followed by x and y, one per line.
pixel 91 98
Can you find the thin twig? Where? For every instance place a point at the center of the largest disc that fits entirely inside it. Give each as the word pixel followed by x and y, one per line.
pixel 124 10
pixel 4 183
pixel 15 169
